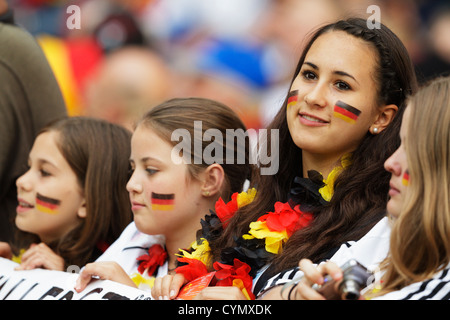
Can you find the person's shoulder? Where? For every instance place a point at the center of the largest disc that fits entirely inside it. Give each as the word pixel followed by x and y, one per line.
pixel 19 49
pixel 16 35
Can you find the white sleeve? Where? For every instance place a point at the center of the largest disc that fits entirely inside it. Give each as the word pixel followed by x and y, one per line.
pixel 370 250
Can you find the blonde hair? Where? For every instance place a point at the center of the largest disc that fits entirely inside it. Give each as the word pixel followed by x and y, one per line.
pixel 420 239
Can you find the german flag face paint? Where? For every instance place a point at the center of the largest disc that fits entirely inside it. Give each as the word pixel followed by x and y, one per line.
pixel 292 98
pixel 346 112
pixel 47 205
pixel 405 179
pixel 162 202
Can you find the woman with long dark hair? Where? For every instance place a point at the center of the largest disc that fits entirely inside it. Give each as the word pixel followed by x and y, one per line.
pixel 338 124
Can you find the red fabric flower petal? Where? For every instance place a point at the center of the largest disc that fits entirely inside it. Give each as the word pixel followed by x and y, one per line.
pixel 226 274
pixel 156 257
pixel 225 211
pixel 194 268
pixel 286 218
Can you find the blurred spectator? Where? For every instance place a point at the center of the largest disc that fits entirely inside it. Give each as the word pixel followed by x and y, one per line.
pixel 127 83
pixel 29 99
pixel 437 60
pixel 232 72
pixel 119 29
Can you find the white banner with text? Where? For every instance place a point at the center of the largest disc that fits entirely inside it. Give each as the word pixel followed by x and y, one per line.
pixel 40 284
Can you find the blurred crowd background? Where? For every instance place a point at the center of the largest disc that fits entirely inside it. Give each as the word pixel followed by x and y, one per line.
pixel 129 55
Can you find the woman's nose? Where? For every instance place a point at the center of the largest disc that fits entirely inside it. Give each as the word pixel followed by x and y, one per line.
pixel 133 185
pixel 316 97
pixel 392 165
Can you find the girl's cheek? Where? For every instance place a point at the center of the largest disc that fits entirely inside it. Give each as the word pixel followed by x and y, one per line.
pixel 162 201
pixel 47 205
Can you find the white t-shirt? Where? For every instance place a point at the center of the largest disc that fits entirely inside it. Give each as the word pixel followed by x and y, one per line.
pixel 127 248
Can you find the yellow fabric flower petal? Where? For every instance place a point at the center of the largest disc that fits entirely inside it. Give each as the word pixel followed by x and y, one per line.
pixel 327 191
pixel 258 229
pixel 199 252
pixel 240 284
pixel 273 239
pixel 18 259
pixel 142 282
pixel 244 198
pixel 248 237
pixel 274 242
pixel 346 160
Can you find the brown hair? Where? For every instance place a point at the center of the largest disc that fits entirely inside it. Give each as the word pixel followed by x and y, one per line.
pixel 186 115
pixel 420 238
pixel 360 196
pixel 98 153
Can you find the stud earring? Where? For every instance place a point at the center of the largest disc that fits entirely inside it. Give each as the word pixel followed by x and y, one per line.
pixel 206 193
pixel 375 130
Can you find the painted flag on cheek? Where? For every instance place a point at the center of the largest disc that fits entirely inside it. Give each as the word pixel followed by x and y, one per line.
pixel 346 112
pixel 292 98
pixel 405 180
pixel 162 202
pixel 47 205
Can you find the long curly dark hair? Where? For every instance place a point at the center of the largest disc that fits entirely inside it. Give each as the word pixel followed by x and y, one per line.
pixel 360 196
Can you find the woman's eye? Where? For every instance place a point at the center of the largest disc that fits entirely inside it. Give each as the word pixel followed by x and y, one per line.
pixel 341 85
pixel 151 171
pixel 308 75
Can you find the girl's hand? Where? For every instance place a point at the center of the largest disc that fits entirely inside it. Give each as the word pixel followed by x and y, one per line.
pixel 41 256
pixel 105 270
pixel 168 287
pixel 314 275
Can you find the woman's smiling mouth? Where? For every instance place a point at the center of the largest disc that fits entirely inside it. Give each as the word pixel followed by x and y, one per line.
pixel 310 120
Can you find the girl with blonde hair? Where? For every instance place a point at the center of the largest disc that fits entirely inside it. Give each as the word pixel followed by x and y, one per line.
pixel 420 240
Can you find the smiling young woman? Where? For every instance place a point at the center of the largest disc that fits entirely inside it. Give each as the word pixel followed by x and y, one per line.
pixel 346 72
pixel 324 80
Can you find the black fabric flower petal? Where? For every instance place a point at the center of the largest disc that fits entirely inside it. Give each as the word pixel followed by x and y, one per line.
pixel 211 227
pixel 251 251
pixel 305 191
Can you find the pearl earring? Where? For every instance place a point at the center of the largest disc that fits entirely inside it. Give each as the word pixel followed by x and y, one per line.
pixel 375 130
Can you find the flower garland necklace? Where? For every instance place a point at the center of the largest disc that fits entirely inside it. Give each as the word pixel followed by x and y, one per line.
pixel 266 236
